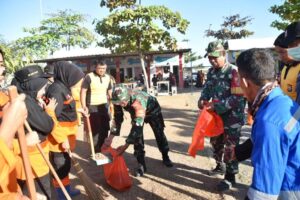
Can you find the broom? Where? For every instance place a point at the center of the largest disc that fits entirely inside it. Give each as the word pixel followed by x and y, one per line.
pixel 93 192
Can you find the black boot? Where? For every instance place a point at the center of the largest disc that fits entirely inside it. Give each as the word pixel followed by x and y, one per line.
pixel 220 169
pixel 166 160
pixel 227 183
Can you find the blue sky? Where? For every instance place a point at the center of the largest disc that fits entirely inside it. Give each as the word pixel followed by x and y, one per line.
pixel 16 14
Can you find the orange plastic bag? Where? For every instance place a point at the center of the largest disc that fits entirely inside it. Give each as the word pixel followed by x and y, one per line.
pixel 208 124
pixel 116 173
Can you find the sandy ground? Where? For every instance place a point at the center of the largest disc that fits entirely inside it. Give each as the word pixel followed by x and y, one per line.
pixel 188 178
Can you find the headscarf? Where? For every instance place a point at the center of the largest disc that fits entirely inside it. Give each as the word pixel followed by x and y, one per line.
pixel 30 87
pixel 67 73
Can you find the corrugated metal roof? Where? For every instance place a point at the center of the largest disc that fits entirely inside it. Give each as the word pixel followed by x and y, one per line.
pixel 95 54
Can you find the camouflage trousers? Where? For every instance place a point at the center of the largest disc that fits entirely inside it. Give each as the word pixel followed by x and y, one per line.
pixel 223 147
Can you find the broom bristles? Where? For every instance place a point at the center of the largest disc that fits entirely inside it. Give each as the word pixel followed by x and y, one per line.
pixel 94 192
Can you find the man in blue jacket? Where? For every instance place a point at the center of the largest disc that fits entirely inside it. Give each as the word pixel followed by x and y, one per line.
pixel 275 132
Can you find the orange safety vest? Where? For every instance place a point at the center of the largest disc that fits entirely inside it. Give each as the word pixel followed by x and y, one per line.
pixel 288 81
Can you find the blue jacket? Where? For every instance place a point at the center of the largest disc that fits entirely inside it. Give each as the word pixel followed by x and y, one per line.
pixel 276 149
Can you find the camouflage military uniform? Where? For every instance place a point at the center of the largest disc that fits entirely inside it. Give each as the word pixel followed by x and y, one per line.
pixel 223 89
pixel 143 108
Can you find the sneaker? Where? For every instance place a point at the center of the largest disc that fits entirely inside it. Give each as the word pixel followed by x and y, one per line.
pixel 219 170
pixel 140 171
pixel 224 185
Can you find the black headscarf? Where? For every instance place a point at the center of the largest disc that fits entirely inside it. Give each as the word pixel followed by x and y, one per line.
pixel 30 87
pixel 67 73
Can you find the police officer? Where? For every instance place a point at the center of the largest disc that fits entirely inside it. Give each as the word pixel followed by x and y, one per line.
pixel 95 91
pixel 143 108
pixel 222 94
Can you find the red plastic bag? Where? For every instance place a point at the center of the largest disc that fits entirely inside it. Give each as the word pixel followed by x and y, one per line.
pixel 208 124
pixel 116 173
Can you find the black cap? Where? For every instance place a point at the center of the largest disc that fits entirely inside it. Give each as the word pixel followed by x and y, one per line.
pixel 49 69
pixel 30 72
pixel 292 32
pixel 279 41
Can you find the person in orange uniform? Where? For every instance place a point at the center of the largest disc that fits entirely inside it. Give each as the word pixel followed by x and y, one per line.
pixel 14 115
pixel 75 90
pixel 31 80
pixel 66 77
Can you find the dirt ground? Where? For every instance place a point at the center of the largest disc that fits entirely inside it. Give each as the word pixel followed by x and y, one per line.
pixel 188 178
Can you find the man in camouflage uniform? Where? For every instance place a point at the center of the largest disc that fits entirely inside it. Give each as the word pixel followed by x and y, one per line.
pixel 222 94
pixel 143 108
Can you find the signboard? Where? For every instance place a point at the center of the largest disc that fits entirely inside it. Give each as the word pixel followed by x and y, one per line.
pixel 163 60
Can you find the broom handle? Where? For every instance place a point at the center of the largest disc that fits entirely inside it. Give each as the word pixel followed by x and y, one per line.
pixel 88 123
pixel 50 165
pixel 23 146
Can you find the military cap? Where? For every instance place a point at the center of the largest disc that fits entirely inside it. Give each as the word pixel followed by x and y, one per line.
pixel 120 93
pixel 214 49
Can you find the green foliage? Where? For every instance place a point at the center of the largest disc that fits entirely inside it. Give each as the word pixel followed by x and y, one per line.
pixel 190 57
pixel 289 12
pixel 113 4
pixel 123 30
pixel 229 26
pixel 60 30
pixel 12 60
pixel 134 28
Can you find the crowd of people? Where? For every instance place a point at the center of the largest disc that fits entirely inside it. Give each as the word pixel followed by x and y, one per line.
pixel 50 101
pixel 273 103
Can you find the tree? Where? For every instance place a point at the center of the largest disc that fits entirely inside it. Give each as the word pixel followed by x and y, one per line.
pixel 133 28
pixel 60 30
pixel 13 60
pixel 191 57
pixel 288 12
pixel 229 26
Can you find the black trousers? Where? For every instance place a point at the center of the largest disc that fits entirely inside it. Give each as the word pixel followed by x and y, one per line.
pixel 157 126
pixel 99 119
pixel 42 186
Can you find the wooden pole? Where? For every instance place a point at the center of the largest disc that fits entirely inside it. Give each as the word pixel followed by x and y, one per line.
pixel 88 123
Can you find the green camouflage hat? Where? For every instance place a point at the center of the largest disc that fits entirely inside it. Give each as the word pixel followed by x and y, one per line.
pixel 214 49
pixel 120 93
